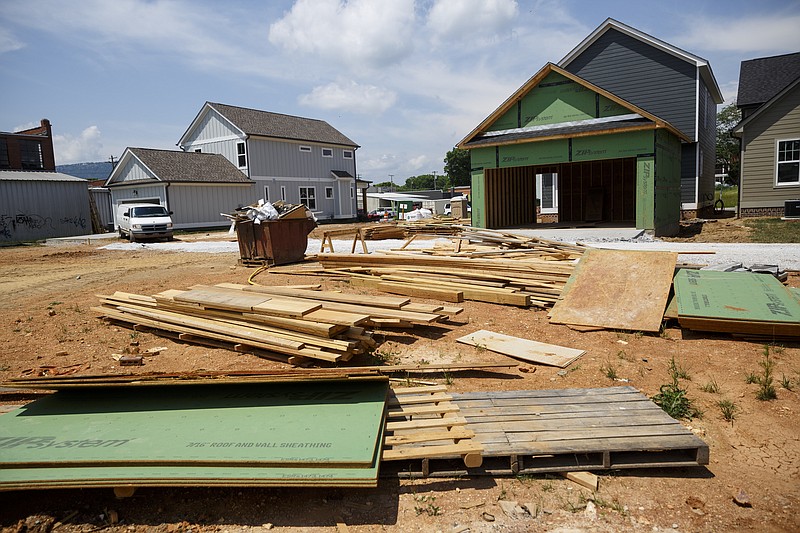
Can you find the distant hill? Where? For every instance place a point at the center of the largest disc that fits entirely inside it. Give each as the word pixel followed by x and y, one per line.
pixel 88 171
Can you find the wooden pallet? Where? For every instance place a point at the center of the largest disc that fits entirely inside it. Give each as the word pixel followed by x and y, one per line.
pixel 538 431
pixel 423 423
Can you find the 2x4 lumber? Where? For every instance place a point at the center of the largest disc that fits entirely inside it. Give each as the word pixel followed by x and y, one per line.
pixel 437 409
pixel 426 423
pixel 455 434
pixel 419 399
pixel 465 449
pixel 421 291
pixel 329 296
pixel 494 264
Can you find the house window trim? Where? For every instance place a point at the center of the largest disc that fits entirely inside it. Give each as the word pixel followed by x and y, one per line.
pixel 329 150
pixel 777 163
pixel 329 193
pixel 313 197
pixel 304 148
pixel 241 156
pixel 539 195
pixel 347 154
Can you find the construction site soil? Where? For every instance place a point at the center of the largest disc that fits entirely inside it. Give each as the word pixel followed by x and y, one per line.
pixel 751 484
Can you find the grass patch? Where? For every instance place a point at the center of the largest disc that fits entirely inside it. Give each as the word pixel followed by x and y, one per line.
pixel 730 195
pixel 711 387
pixel 774 230
pixel 728 409
pixel 766 381
pixel 672 398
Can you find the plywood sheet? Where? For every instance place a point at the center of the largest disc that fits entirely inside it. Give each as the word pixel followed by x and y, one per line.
pixel 527 350
pixel 279 424
pixel 617 289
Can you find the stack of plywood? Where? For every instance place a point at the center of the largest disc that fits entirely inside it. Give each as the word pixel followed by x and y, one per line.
pixel 289 324
pixel 310 432
pixel 743 303
pixel 521 282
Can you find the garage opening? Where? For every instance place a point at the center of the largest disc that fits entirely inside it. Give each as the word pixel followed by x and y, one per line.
pixel 590 191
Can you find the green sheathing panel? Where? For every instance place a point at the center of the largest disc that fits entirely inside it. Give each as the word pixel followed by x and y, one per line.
pixel 557 99
pixel 540 153
pixel 612 146
pixel 667 197
pixel 645 193
pixel 735 295
pixel 508 121
pixel 609 108
pixel 481 158
pixel 325 424
pixel 478 198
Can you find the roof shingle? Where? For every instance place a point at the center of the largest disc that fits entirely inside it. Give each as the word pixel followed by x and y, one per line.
pixel 267 124
pixel 761 79
pixel 191 167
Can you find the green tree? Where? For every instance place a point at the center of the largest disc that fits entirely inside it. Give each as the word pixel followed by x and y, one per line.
pixel 728 146
pixel 457 167
pixel 384 184
pixel 420 183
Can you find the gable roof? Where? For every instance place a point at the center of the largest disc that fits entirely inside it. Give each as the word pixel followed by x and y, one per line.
pixel 609 24
pixel 180 167
pixel 739 128
pixel 275 125
pixel 762 78
pixel 638 119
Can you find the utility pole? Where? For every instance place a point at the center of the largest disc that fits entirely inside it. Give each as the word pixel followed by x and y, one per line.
pixel 391 178
pixel 434 179
pixel 113 163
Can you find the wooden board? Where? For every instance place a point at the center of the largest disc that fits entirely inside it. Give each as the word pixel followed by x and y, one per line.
pixel 524 349
pixel 617 289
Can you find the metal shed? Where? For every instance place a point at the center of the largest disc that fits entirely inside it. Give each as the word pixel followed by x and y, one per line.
pixel 42 205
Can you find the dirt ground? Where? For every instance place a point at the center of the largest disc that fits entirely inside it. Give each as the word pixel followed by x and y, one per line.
pixel 46 321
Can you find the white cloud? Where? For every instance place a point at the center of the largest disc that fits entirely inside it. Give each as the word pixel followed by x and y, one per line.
pixel 471 19
pixel 748 35
pixel 354 32
pixel 351 97
pixel 85 147
pixel 8 42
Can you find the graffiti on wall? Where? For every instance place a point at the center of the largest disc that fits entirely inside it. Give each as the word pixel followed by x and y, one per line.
pixel 11 224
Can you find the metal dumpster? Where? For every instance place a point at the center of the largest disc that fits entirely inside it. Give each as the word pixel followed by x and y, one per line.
pixel 273 242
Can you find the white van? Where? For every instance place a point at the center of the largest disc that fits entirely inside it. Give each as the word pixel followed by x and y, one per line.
pixel 144 221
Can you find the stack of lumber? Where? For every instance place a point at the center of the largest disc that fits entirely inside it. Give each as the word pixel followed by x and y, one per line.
pixel 510 241
pixel 300 433
pixel 741 303
pixel 521 282
pixel 424 423
pixel 383 230
pixel 401 229
pixel 283 323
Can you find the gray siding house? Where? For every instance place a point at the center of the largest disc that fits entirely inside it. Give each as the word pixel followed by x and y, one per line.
pixel 672 84
pixel 195 187
pixel 769 133
pixel 290 158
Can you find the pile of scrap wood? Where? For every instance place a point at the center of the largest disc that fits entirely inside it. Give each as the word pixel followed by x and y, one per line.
pixel 284 323
pixel 741 303
pixel 403 229
pixel 521 282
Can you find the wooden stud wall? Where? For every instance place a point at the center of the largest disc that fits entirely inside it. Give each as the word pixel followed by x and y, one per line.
pixel 510 197
pixel 615 177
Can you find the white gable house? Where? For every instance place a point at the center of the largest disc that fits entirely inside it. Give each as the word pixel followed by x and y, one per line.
pixel 295 159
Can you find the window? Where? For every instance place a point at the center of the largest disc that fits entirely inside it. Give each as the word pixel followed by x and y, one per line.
pixel 198 151
pixel 329 192
pixel 327 152
pixel 347 154
pixel 547 192
pixel 352 193
pixel 305 149
pixel 241 154
pixel 788 171
pixel 31 155
pixel 266 193
pixel 4 162
pixel 308 197
pixel 283 193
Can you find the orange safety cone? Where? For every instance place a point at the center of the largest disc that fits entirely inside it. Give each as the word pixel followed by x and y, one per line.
pixel 386 216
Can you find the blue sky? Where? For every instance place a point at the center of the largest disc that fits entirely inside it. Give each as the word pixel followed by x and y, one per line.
pixel 405 80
